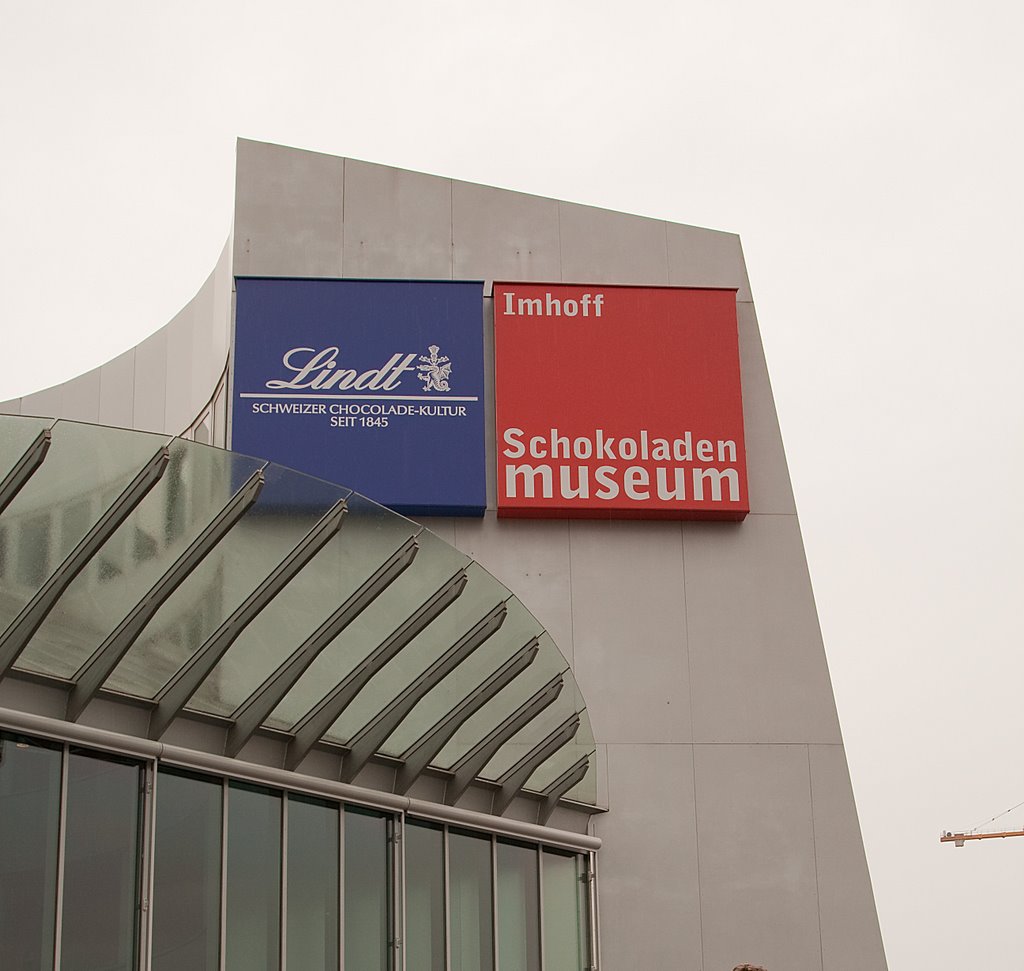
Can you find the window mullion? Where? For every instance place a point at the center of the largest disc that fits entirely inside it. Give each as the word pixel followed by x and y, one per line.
pixel 61 842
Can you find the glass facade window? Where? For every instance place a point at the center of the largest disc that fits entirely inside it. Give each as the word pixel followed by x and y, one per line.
pixel 518 907
pixel 248 878
pixel 472 895
pixel 565 911
pixel 424 897
pixel 253 927
pixel 186 879
pixel 100 914
pixel 367 890
pixel 29 820
pixel 314 885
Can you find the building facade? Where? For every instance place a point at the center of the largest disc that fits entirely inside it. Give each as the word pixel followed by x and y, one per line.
pixel 179 679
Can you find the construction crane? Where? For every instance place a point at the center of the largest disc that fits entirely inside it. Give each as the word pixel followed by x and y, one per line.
pixel 958 839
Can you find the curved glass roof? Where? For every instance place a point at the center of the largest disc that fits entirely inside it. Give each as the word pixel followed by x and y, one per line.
pixel 195 580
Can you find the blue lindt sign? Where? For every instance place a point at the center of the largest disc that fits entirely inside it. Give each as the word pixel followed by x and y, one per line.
pixel 372 384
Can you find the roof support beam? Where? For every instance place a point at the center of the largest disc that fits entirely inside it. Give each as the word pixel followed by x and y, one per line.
pixel 186 682
pixel 315 724
pixel 421 753
pixel 472 763
pixel 255 709
pixel 376 732
pixel 24 468
pixel 517 777
pixel 14 640
pixel 109 654
pixel 561 786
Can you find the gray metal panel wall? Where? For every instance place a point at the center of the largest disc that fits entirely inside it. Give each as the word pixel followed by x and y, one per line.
pixel 161 384
pixel 731 833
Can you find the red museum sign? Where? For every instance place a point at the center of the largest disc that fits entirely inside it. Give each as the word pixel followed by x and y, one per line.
pixel 618 403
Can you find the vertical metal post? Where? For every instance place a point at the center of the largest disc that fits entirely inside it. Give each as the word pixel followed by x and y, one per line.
pixel 283 959
pixel 494 901
pixel 400 822
pixel 397 918
pixel 593 912
pixel 447 900
pixel 148 852
pixel 224 875
pixel 540 902
pixel 341 887
pixel 61 843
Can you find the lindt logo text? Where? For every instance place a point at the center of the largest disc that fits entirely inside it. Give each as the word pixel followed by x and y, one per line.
pixel 319 370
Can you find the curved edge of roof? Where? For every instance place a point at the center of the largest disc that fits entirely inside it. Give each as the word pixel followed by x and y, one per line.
pixel 193 596
pixel 171 382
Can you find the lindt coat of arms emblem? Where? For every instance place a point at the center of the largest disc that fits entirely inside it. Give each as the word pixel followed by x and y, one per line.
pixel 436 370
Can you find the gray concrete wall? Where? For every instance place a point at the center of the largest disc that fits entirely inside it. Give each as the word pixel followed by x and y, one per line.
pixel 168 383
pixel 731 833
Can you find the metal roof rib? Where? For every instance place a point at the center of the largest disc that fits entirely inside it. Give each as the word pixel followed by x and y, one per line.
pixel 99 667
pixel 473 762
pixel 251 714
pixel 517 777
pixel 315 723
pixel 24 468
pixel 14 640
pixel 421 661
pixel 180 689
pixel 374 733
pixel 570 777
pixel 425 750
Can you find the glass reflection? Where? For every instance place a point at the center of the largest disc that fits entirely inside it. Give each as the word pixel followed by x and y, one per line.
pixel 29 818
pixel 186 883
pixel 313 885
pixel 518 908
pixel 565 925
pixel 424 896
pixel 253 931
pixel 526 906
pixel 472 936
pixel 101 865
pixel 367 890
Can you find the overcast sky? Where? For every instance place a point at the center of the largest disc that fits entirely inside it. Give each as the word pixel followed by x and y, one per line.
pixel 869 155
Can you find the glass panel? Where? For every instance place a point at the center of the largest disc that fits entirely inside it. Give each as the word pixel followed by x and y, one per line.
pixel 518 908
pixel 469 868
pixel 101 865
pixel 29 821
pixel 288 507
pixel 34 551
pixel 582 745
pixel 196 486
pixel 85 470
pixel 481 595
pixel 16 435
pixel 368 536
pixel 565 912
pixel 424 896
pixel 548 664
pixel 517 630
pixel 186 879
pixel 568 702
pixel 253 932
pixel 313 884
pixel 367 894
pixel 435 563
